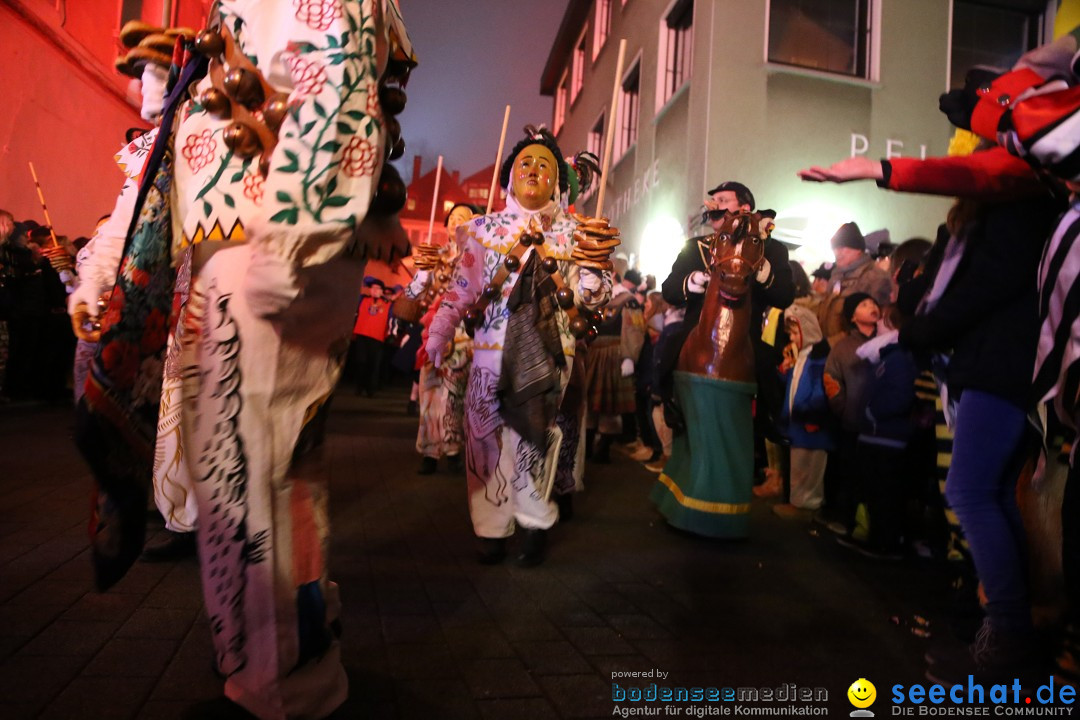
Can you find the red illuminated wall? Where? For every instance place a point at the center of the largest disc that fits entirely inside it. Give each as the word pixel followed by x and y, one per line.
pixel 65 108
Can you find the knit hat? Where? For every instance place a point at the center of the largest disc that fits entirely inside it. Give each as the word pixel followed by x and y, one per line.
pixel 849 236
pixel 823 272
pixel 852 301
pixel 371 280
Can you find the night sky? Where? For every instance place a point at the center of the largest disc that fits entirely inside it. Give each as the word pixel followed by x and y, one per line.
pixel 476 56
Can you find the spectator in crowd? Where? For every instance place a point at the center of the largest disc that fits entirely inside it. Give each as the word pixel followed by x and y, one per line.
pixel 369 336
pixel 854 272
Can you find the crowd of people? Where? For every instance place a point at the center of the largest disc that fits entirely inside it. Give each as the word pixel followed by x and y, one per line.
pixel 894 398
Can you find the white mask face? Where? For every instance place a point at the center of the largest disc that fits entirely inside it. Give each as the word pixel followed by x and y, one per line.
pixel 154 78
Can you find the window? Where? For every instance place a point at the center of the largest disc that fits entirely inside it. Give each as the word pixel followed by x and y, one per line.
pixel 629 101
pixel 603 26
pixel 828 35
pixel 577 68
pixel 594 143
pixel 676 45
pixel 560 104
pixel 994 35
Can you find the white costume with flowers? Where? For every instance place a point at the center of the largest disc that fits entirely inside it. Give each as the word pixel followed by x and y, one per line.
pixel 275 267
pixel 508 476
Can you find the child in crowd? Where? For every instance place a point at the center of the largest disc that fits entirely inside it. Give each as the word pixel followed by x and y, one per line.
pixel 805 417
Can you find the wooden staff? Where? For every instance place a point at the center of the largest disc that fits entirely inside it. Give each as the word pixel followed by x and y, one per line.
pixel 166 13
pixel 434 201
pixel 611 129
pixel 498 162
pixel 44 208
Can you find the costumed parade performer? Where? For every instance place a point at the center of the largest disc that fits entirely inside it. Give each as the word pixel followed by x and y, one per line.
pixel 609 366
pixel 271 169
pixel 442 389
pixel 520 281
pixel 706 486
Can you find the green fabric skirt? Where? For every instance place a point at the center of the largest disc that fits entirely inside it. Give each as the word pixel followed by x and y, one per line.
pixel 706 486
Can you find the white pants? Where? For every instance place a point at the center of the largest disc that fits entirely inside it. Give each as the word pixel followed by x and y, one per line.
pixel 808 478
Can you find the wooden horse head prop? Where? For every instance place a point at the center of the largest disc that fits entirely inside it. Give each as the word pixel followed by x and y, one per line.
pixel 719 345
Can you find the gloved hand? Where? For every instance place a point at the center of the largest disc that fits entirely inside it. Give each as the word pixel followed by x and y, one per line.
pixel 627 368
pixel 589 282
pixel 697 282
pixel 436 348
pixel 154 79
pixel 958 104
pixel 764 273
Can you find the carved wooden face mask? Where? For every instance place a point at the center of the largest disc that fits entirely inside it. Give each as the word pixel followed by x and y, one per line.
pixel 738 252
pixel 534 177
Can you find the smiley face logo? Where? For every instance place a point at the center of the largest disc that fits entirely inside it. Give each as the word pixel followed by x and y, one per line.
pixel 862 693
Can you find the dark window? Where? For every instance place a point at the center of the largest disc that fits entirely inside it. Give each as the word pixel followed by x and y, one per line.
pixel 994 34
pixel 676 46
pixel 628 111
pixel 827 35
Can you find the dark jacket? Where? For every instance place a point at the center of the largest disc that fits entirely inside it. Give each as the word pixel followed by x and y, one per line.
pixel 988 315
pixel 847 377
pixel 890 399
pixel 778 291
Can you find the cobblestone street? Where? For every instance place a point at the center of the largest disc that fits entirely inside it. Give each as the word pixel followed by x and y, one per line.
pixel 429 633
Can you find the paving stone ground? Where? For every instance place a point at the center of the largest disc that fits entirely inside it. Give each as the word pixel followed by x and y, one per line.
pixel 429 633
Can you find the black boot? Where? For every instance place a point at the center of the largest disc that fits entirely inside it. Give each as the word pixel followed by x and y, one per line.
pixel 175 546
pixel 533 547
pixel 453 463
pixel 428 466
pixel 590 437
pixel 492 551
pixel 566 506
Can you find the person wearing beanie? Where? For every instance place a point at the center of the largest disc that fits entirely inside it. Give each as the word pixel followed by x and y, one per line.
pixel 854 271
pixel 847 377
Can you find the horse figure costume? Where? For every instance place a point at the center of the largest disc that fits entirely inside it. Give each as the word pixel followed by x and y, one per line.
pixel 706 485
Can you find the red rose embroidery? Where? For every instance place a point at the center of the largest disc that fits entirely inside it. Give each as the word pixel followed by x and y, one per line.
pixel 308 76
pixel 253 188
pixel 359 158
pixel 318 14
pixel 373 108
pixel 199 150
pixel 112 311
pixel 467 260
pixel 140 278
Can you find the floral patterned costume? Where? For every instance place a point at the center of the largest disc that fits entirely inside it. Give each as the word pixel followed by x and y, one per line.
pixel 508 475
pixel 275 266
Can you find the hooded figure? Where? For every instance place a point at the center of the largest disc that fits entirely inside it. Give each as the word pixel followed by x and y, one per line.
pixel 523 347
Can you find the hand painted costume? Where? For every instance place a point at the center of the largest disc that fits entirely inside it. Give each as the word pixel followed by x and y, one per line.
pixel 276 253
pixel 523 351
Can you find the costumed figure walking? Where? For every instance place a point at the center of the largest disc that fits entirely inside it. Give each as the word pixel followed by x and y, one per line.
pixel 442 389
pixel 271 162
pixel 519 283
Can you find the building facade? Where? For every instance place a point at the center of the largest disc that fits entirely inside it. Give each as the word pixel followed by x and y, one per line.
pixel 65 106
pixel 754 90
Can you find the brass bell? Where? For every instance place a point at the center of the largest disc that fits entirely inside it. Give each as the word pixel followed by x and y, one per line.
pixel 390 194
pixel 209 43
pixel 244 86
pixel 443 277
pixel 241 139
pixel 392 127
pixel 216 102
pixel 550 265
pixel 490 291
pixel 565 297
pixel 274 111
pixel 579 326
pixel 512 263
pixel 591 333
pixel 391 99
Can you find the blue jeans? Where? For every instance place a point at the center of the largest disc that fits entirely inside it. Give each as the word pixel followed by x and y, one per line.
pixel 988 454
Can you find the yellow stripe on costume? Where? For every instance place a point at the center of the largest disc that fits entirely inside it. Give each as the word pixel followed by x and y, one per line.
pixel 716 508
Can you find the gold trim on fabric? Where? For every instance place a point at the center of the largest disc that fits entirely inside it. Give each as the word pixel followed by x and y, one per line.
pixel 703 505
